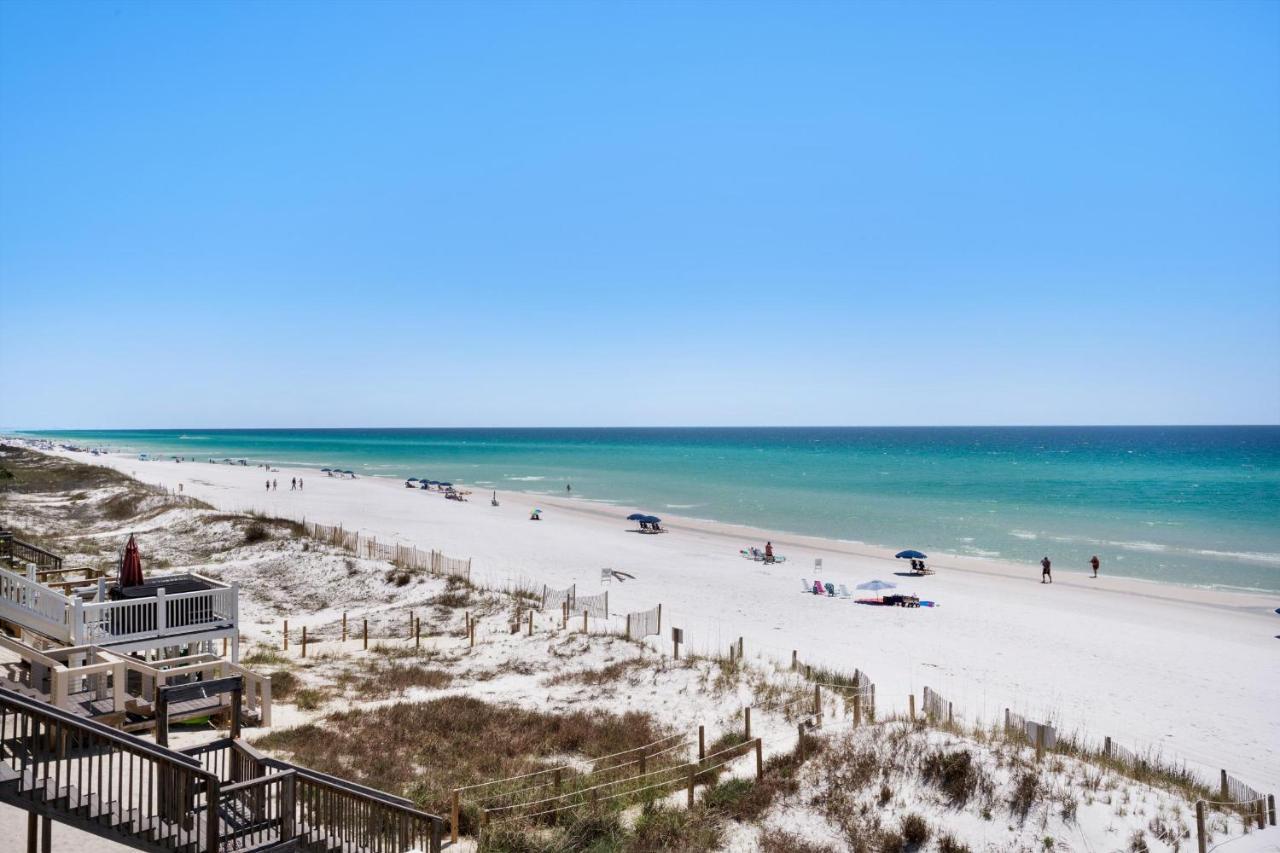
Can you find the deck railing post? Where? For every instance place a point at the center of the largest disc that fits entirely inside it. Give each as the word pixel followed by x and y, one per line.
pixel 288 805
pixel 1201 841
pixel 162 613
pixel 213 843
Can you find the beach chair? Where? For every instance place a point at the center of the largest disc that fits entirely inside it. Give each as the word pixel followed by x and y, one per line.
pixel 808 587
pixel 844 592
pixel 831 589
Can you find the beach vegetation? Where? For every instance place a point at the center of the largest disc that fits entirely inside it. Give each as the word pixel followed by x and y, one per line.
pixel 915 831
pixel 423 749
pixel 947 843
pixel 781 841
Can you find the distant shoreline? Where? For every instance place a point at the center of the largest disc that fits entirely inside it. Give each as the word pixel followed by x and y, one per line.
pixel 1191 550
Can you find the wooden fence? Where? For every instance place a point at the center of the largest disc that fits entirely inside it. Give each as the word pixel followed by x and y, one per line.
pixel 553 599
pixel 407 557
pixel 595 606
pixel 644 623
pixel 937 707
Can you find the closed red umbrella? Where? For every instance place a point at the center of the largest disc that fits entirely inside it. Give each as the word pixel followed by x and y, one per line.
pixel 131 565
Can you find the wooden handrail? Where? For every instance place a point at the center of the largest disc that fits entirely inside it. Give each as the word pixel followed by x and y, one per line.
pixel 128 742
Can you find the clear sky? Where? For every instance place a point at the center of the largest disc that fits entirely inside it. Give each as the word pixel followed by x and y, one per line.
pixel 435 214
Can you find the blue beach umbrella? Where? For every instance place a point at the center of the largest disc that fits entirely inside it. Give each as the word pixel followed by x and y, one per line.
pixel 911 555
pixel 637 516
pixel 877 585
pixel 413 479
pixel 326 470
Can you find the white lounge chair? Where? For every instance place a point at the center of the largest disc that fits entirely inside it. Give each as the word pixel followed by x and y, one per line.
pixel 808 587
pixel 843 591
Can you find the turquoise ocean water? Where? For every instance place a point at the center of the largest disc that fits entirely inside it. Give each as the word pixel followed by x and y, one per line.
pixel 1188 505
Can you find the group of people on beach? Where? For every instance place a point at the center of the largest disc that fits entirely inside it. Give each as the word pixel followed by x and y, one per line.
pixel 1046 568
pixel 295 485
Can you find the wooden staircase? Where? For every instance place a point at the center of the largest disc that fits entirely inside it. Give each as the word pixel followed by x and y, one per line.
pixel 217 798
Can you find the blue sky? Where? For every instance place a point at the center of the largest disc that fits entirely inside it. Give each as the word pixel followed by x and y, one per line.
pixel 382 214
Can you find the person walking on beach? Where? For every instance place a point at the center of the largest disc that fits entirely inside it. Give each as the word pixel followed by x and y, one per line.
pixel 293 484
pixel 275 485
pixel 268 485
pixel 1046 576
pixel 768 552
pixel 1094 562
pixel 299 484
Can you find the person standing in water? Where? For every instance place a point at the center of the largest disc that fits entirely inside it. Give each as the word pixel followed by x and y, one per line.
pixel 568 487
pixel 1094 562
pixel 1046 576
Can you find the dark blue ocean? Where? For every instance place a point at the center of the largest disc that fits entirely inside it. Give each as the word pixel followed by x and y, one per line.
pixel 1188 505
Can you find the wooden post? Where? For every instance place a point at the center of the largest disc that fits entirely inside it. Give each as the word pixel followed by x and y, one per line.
pixel 530 623
pixel 911 705
pixel 162 719
pixel 366 635
pixel 746 721
pixel 759 759
pixel 1006 722
pixel 1106 746
pixel 659 618
pixel 584 622
pixel 304 641
pixel 417 633
pixel 472 632
pixel 817 700
pixel 344 626
pixel 606 604
pixel 411 621
pixel 950 715
pixel 1271 808
pixel 1262 814
pixel 739 649
pixel 1226 795
pixel 690 786
pixel 237 703
pixel 857 709
pixel 1039 741
pixel 808 672
pixel 224 647
pixel 628 626
pixel 213 816
pixel 800 741
pixel 286 635
pixel 1202 843
pixel 702 743
pixel 794 662
pixel 33 832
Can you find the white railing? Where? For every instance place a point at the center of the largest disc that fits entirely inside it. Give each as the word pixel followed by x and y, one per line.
pixel 29 603
pixel 161 615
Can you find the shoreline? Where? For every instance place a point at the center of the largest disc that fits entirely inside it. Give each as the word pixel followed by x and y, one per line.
pixel 860 548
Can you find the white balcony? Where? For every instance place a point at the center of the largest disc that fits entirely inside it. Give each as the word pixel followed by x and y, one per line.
pixel 167 611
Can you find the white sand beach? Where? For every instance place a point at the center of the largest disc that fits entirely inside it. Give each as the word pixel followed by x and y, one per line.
pixel 1191 673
